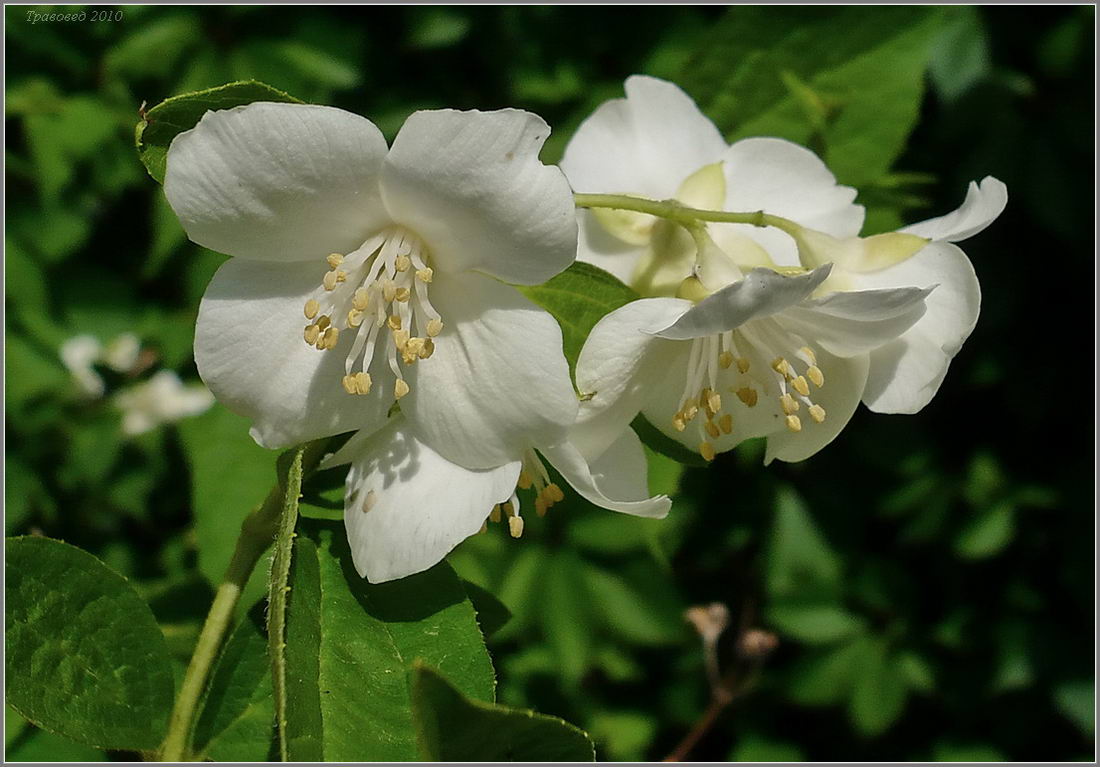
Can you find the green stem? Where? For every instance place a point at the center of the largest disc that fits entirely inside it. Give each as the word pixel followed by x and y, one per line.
pixel 674 211
pixel 257 532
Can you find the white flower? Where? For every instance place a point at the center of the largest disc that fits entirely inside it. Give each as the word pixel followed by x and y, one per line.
pixel 79 354
pixel 162 399
pixel 406 507
pixel 796 346
pixel 394 258
pixel 122 354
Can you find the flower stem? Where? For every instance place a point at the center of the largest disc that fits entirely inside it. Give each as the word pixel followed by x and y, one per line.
pixel 257 532
pixel 674 211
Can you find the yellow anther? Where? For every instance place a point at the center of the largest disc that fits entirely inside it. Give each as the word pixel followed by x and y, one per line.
pixel 425 274
pixel 742 365
pixel 355 318
pixel 541 506
pixel 341 276
pixel 413 346
pixel 554 493
pixel 427 349
pixel 799 384
pixel 707 451
pixel 712 429
pixel 747 395
pixel 361 299
pixel 815 375
pixel 329 280
pixel 334 259
pixel 506 508
pixel 394 322
pixel 348 382
pixel 312 307
pixel 678 422
pixel 311 334
pixel 788 403
pixel 402 294
pixel 323 322
pixel 817 413
pixel 402 263
pixel 400 338
pixel 515 526
pixel 435 327
pixel 690 411
pixel 330 338
pixel 494 515
pixel 725 423
pixel 779 365
pixel 725 359
pixel 362 383
pixel 809 354
pixel 714 402
pixel 389 290
pixel 524 482
pixel 793 423
pixel 484 528
pixel 400 389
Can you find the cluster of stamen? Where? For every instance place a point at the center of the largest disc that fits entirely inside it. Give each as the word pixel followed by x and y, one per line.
pixel 380 288
pixel 713 354
pixel 532 476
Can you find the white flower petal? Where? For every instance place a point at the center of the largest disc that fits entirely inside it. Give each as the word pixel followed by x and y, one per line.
pixel 616 480
pixel 787 180
pixel 981 207
pixel 250 352
pixel 277 182
pixel 498 380
pixel 617 366
pixel 405 507
pixel 906 373
pixel 856 322
pixel 646 144
pixel 844 383
pixel 597 246
pixel 470 184
pixel 763 292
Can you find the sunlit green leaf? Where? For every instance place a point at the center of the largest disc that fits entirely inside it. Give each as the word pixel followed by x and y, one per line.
pixel 84 657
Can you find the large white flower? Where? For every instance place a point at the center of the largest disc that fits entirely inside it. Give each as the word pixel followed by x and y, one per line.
pixel 755 312
pixel 406 507
pixel 395 257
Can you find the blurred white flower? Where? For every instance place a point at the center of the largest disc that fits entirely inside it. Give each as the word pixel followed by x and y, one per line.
pixel 122 354
pixel 162 399
pixel 79 354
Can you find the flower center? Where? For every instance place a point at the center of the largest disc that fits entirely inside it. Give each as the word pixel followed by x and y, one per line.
pixel 380 289
pixel 532 476
pixel 723 361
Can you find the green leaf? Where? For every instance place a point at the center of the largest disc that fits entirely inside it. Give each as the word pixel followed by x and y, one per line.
pixel 230 475
pixel 492 614
pixel 85 658
pixel 826 677
pixel 41 746
pixel 578 298
pixel 814 623
pixel 880 690
pixel 643 613
pixel 757 748
pixel 451 727
pixel 350 645
pixel 237 715
pixel 858 71
pixel 960 53
pixel 175 115
pixel 277 593
pixel 1077 702
pixel 918 672
pixel 801 564
pixel 566 620
pixel 948 751
pixel 988 533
